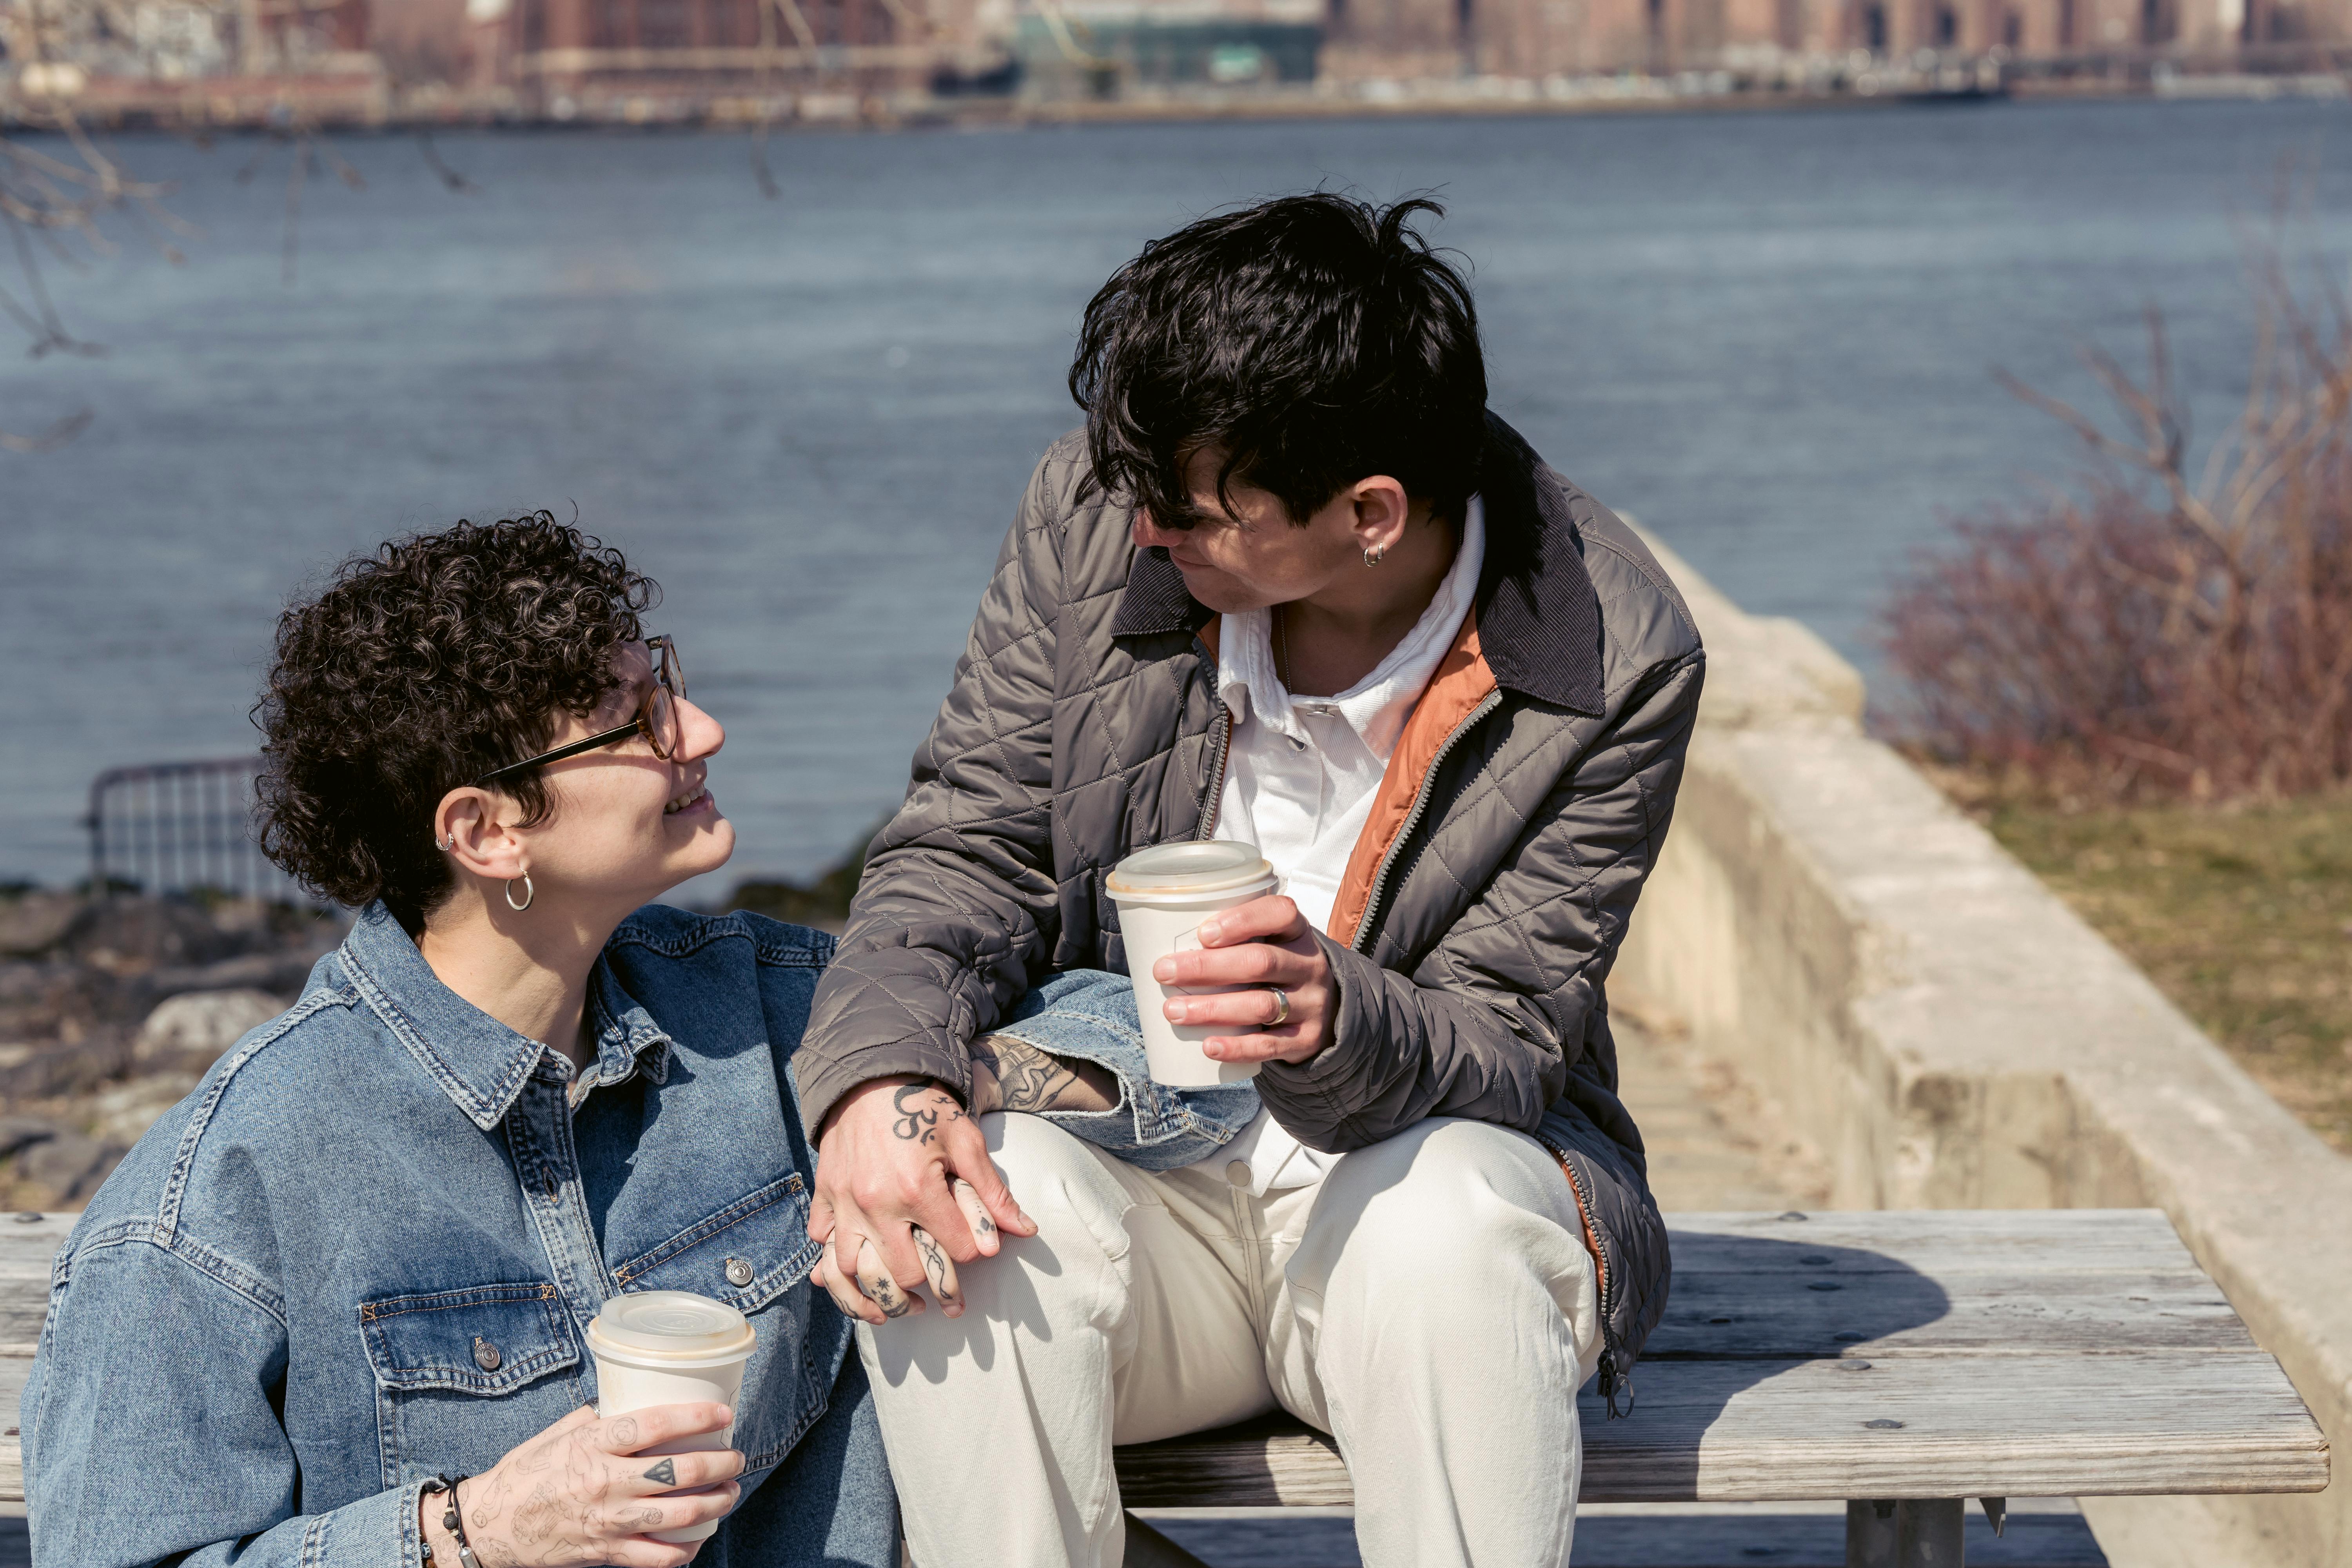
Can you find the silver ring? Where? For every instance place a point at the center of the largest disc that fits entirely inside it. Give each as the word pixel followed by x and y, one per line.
pixel 1281 1008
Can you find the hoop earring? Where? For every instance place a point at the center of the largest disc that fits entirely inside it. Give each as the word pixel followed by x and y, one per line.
pixel 446 845
pixel 529 893
pixel 1372 556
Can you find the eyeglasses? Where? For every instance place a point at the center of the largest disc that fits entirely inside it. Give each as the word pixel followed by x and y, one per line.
pixel 657 719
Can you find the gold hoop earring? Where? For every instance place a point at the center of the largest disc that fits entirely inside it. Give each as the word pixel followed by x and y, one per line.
pixel 529 893
pixel 1372 556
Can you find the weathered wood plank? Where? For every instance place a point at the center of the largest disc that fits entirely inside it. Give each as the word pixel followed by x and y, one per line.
pixel 1824 1311
pixel 1935 1241
pixel 13 1371
pixel 2160 1422
pixel 27 1250
pixel 2175 1400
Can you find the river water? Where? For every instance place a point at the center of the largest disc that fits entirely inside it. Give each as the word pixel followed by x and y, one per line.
pixel 1769 336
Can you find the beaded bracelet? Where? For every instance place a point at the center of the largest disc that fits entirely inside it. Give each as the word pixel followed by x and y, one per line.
pixel 451 1520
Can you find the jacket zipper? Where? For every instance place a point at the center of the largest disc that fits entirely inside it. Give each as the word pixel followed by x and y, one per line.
pixel 1412 819
pixel 1217 757
pixel 1613 1380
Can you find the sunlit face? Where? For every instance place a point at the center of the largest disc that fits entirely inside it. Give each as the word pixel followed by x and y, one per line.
pixel 1253 555
pixel 628 825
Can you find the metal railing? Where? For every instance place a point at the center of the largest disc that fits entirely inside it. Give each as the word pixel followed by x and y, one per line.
pixel 177 827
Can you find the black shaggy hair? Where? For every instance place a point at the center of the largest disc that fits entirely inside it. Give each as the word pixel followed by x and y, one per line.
pixel 418 669
pixel 1313 340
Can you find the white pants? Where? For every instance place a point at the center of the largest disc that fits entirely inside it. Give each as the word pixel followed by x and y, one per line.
pixel 1429 1304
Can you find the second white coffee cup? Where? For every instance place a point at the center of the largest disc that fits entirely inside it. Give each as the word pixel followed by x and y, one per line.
pixel 670 1347
pixel 1164 894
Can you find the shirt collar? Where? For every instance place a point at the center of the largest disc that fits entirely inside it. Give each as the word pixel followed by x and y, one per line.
pixel 1538 617
pixel 479 1063
pixel 1376 708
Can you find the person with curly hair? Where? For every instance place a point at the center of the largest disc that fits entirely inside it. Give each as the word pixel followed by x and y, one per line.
pixel 331 1311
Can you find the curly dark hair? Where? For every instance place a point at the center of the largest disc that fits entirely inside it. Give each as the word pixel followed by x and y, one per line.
pixel 1317 339
pixel 419 669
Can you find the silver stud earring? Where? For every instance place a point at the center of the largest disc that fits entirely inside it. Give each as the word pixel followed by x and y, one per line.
pixel 1372 556
pixel 529 893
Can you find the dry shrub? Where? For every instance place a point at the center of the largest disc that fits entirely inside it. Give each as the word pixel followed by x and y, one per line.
pixel 2159 635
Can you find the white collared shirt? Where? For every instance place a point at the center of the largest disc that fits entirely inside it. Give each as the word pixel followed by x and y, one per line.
pixel 1301 774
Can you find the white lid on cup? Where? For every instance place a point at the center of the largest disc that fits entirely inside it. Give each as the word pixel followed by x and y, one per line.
pixel 1207 866
pixel 669 1328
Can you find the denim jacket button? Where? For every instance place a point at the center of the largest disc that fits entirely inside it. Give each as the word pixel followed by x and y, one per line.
pixel 739 1273
pixel 1238 1172
pixel 486 1354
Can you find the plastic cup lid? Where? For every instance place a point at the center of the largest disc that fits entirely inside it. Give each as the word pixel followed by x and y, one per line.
pixel 1212 866
pixel 671 1323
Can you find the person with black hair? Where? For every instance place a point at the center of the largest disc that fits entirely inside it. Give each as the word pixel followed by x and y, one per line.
pixel 1294 585
pixel 332 1310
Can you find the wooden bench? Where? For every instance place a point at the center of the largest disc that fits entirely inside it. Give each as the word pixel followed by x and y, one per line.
pixel 1900 1362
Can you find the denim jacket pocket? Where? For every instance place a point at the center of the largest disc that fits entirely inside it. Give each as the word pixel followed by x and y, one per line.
pixel 755 1255
pixel 437 1356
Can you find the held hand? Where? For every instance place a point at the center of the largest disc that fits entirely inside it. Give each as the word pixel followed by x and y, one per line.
pixel 1263 943
pixel 580 1492
pixel 885 1162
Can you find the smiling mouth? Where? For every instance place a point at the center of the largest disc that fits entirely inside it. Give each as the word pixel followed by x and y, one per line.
pixel 698 796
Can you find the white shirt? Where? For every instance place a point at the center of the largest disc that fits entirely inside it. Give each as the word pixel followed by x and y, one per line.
pixel 1301 774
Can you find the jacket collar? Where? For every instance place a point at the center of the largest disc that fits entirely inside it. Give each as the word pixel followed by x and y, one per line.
pixel 479 1063
pixel 1538 617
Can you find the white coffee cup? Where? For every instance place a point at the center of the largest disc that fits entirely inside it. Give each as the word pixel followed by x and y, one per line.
pixel 670 1347
pixel 1164 894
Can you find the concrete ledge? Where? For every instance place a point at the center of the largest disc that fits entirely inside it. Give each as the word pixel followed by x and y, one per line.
pixel 1948 1033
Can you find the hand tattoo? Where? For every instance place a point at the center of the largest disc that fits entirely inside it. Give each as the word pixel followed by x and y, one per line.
pixel 935 1263
pixel 625 1433
pixel 884 1292
pixel 641 1519
pixel 921 1107
pixel 539 1515
pixel 663 1475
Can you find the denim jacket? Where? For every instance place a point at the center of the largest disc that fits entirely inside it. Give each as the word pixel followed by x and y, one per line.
pixel 1089 1014
pixel 365 1248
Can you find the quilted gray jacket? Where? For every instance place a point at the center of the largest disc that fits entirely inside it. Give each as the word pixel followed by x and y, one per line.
pixel 1085 723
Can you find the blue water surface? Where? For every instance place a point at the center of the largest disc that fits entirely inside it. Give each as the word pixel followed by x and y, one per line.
pixel 1769 336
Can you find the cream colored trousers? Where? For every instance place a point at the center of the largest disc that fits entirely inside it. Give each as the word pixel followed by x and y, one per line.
pixel 1429 1304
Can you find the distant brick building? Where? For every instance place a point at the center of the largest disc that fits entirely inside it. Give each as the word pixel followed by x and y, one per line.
pixel 604 47
pixel 1575 37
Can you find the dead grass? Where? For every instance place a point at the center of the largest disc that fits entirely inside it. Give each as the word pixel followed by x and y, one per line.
pixel 2243 917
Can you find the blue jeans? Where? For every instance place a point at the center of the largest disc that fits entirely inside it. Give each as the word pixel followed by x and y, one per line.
pixel 1089 1015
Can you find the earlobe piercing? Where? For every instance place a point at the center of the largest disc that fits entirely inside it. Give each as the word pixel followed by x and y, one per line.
pixel 529 893
pixel 1372 556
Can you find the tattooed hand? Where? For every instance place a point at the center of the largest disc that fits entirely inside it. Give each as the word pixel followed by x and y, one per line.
pixel 580 1492
pixel 920 1106
pixel 900 1158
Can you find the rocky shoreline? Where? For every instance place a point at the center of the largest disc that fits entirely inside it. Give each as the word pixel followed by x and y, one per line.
pixel 110 1010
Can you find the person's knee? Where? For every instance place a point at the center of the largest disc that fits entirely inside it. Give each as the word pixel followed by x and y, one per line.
pixel 1450 1199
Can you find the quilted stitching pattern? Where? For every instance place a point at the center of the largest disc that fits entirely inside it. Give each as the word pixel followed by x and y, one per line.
pixel 1481 989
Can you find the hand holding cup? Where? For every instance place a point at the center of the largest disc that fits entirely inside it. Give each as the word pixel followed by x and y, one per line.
pixel 582 1491
pixel 1263 946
